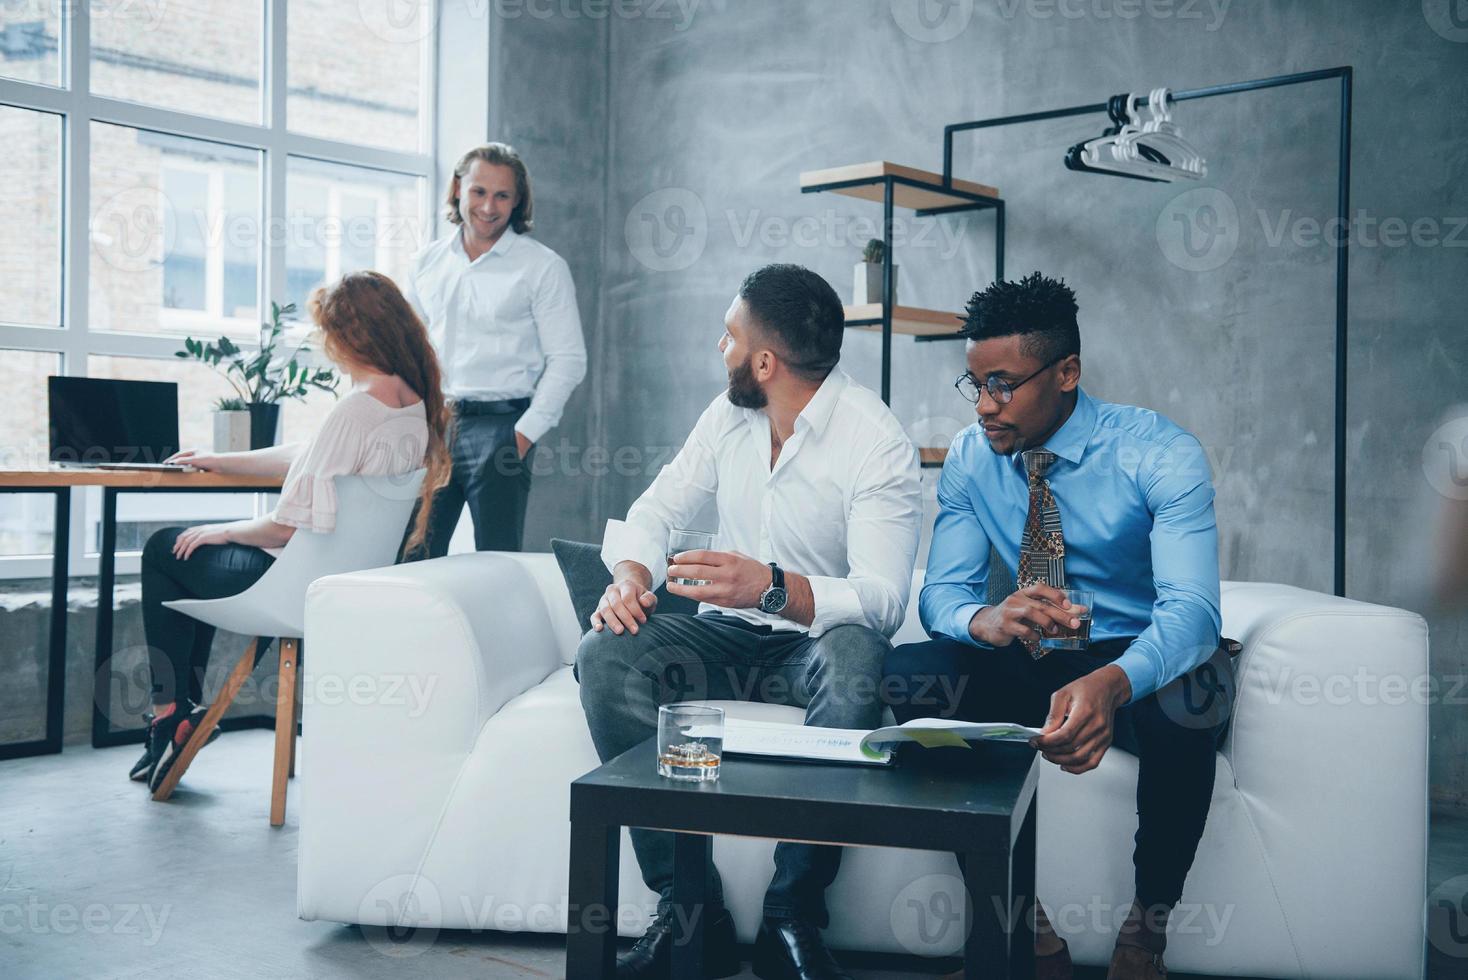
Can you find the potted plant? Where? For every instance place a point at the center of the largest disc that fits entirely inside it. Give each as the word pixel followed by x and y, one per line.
pixel 868 272
pixel 231 425
pixel 261 379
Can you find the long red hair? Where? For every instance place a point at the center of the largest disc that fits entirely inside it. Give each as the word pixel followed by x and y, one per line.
pixel 365 319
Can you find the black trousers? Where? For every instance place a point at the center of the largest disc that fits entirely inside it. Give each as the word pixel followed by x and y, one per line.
pixel 490 477
pixel 1175 749
pixel 178 645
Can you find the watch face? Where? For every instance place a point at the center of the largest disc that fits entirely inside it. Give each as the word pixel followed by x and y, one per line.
pixel 773 600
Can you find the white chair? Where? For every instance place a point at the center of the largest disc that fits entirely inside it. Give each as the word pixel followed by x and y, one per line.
pixel 372 513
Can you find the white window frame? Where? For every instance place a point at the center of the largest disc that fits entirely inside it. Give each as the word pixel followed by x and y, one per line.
pixel 74 340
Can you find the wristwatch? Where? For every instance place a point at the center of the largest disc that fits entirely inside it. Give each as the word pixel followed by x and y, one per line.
pixel 773 599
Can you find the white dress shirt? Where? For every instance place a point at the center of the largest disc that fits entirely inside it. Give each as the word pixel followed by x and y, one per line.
pixel 842 505
pixel 505 325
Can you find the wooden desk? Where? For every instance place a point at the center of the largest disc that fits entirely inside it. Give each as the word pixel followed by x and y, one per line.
pixel 59 481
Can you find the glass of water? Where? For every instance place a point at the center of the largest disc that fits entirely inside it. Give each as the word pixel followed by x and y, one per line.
pixel 1077 638
pixel 680 540
pixel 690 741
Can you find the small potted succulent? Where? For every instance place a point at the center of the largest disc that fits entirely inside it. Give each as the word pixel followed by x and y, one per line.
pixel 261 379
pixel 868 274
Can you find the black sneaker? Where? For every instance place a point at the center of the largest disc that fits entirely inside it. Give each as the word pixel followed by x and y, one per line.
pixel 167 738
pixel 143 768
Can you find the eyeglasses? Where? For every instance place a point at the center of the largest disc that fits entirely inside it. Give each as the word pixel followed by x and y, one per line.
pixel 1000 390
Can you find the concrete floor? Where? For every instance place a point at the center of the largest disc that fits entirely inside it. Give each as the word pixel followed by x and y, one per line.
pixel 97 882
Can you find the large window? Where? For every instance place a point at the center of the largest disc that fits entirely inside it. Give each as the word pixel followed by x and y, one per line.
pixel 30 213
pixel 170 175
pixel 200 56
pixel 348 219
pixel 175 243
pixel 25 518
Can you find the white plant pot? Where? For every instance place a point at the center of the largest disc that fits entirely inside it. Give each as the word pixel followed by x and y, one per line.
pixel 231 432
pixel 868 283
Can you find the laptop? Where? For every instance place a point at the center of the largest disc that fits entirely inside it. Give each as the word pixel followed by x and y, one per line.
pixel 122 425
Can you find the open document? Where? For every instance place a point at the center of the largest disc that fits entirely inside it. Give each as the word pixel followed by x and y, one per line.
pixel 851 745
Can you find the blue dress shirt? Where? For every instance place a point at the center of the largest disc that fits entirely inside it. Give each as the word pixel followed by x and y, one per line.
pixel 1136 509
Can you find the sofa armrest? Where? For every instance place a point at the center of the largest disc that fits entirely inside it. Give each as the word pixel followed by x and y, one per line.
pixel 1329 752
pixel 402 668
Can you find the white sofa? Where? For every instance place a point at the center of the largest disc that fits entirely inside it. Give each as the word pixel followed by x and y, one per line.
pixel 442 728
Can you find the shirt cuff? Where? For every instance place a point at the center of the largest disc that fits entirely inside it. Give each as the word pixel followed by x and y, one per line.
pixel 628 542
pixel 1140 673
pixel 532 425
pixel 836 604
pixel 962 616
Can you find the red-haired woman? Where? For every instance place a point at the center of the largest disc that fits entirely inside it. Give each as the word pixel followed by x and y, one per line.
pixel 392 422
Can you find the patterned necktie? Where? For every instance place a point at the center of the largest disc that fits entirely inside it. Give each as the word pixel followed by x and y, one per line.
pixel 1042 547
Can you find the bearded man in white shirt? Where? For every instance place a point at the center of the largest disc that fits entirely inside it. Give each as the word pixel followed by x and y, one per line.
pixel 819 505
pixel 500 308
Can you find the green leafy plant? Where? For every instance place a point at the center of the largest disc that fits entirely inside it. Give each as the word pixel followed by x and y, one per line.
pixel 229 405
pixel 261 377
pixel 874 251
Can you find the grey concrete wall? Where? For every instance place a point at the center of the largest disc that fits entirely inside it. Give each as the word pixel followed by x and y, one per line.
pixel 1212 305
pixel 548 97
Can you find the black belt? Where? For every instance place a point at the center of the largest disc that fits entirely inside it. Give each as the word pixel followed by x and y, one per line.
pixel 507 407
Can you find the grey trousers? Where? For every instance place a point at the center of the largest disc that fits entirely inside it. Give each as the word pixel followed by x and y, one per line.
pixel 719 657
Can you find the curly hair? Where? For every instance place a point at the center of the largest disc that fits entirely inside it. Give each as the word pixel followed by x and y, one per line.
pixel 365 319
pixel 1040 309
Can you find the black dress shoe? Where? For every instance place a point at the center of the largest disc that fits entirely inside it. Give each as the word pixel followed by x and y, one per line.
pixel 792 949
pixel 652 955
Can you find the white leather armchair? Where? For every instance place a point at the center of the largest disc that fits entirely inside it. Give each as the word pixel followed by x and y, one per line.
pixel 443 726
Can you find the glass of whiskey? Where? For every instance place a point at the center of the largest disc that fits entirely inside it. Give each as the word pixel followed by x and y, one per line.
pixel 690 741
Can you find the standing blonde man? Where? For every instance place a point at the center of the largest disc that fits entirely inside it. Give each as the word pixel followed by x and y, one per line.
pixel 501 311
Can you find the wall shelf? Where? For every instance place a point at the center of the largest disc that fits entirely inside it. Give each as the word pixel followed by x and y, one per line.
pixel 920 190
pixel 911 321
pixel 926 193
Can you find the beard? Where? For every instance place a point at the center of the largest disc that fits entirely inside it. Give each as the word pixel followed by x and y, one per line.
pixel 744 391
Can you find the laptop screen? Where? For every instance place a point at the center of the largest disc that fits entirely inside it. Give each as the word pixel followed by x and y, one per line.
pixel 96 420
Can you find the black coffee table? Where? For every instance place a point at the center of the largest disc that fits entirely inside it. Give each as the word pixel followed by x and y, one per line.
pixel 978 802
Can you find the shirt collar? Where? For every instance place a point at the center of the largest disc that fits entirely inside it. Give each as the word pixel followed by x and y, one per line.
pixel 822 405
pixel 1069 442
pixel 505 242
pixel 818 411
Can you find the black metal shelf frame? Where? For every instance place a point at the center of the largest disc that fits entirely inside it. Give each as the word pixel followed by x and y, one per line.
pixel 976 202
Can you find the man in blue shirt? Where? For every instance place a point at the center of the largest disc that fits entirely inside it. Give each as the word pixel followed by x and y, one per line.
pixel 1078 494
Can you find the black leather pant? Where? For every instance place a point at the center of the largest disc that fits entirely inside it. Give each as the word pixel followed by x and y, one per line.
pixel 178 645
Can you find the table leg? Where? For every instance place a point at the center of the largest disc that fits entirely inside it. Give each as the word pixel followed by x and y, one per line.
pixel 591 941
pixel 106 568
pixel 1001 888
pixel 692 855
pixel 1022 875
pixel 56 669
pixel 987 913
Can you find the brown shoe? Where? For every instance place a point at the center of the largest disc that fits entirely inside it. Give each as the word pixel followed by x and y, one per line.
pixel 1135 963
pixel 1052 966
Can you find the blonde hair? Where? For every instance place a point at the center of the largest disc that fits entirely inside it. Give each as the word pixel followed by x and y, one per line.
pixel 503 154
pixel 365 319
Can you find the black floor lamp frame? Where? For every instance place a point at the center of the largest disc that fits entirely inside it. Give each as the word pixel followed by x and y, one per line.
pixel 1342 269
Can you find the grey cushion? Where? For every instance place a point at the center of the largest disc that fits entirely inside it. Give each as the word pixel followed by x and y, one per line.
pixel 587 579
